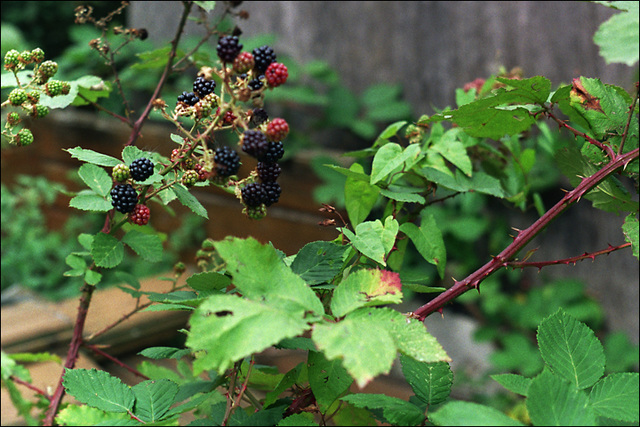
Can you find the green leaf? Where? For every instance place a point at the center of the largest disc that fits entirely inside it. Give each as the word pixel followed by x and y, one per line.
pixel 403 194
pixel 164 353
pixel 359 196
pixel 616 396
pixel 154 398
pixel 394 411
pixel 289 379
pixel 92 277
pixel 328 379
pixel 413 340
pixel 428 241
pixel 364 355
pixel 479 182
pixel 189 200
pixel 83 84
pixel 276 284
pixel 452 149
pixel 366 288
pixel 319 262
pixel 96 178
pixel 92 157
pixel 106 250
pixel 554 401
pixel 390 158
pixel 82 415
pixel 343 106
pixel 571 349
pixel 431 382
pixel 99 389
pixel 458 413
pixel 373 239
pixel 208 280
pixel 536 89
pixel 148 246
pixel 618 37
pixel 154 59
pixel 221 326
pixel 630 230
pixel 514 383
pixel 87 200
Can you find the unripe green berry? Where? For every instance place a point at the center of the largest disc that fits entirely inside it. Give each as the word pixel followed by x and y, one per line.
pixel 208 245
pixel 57 87
pixel 188 163
pixel 17 96
pixel 34 97
pixel 13 118
pixel 48 68
pixel 38 55
pixel 255 212
pixel 39 111
pixel 179 267
pixel 120 172
pixel 25 57
pixel 11 59
pixel 24 137
pixel 190 178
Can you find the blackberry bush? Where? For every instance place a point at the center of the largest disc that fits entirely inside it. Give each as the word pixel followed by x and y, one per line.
pixel 124 198
pixel 141 169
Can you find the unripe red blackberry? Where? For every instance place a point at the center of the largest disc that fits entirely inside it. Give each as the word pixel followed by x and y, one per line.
pixel 227 161
pixel 120 172
pixel 17 96
pixel 277 129
pixel 263 57
pixel 24 137
pixel 124 198
pixel 140 215
pixel 243 62
pixel 254 143
pixel 228 48
pixel 276 74
pixel 253 194
pixel 268 172
pixel 141 169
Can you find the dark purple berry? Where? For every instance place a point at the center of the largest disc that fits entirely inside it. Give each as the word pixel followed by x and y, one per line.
pixel 258 116
pixel 227 161
pixel 254 143
pixel 188 98
pixel 124 198
pixel 263 57
pixel 141 169
pixel 203 87
pixel 253 194
pixel 228 48
pixel 273 191
pixel 268 172
pixel 273 153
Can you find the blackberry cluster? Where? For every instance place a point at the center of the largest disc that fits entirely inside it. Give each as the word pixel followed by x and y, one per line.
pixel 263 57
pixel 228 48
pixel 188 98
pixel 141 169
pixel 254 143
pixel 203 87
pixel 227 161
pixel 124 198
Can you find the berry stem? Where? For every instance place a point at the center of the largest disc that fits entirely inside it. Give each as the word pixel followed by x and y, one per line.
pixel 501 260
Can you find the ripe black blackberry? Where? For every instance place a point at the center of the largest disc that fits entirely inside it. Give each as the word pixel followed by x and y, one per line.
pixel 227 161
pixel 255 84
pixel 253 194
pixel 141 169
pixel 258 116
pixel 268 172
pixel 203 87
pixel 124 198
pixel 228 48
pixel 263 56
pixel 254 143
pixel 188 98
pixel 273 191
pixel 273 153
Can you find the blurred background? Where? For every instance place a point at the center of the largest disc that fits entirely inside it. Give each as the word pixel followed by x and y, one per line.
pixel 392 61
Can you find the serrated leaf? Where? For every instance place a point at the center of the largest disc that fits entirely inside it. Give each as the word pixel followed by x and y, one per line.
pixel 276 284
pixel 428 241
pixel 431 382
pixel 514 383
pixel 92 277
pixel 403 194
pixel 92 157
pixel 148 246
pixel 536 89
pixel 413 340
pixel 571 349
pixel 83 415
pixel 87 200
pixel 616 396
pixel 366 288
pixel 459 413
pixel 208 280
pixel 189 200
pixel 328 379
pixel 225 328
pixel 154 398
pixel 319 262
pixel 630 230
pixel 96 178
pixel 394 411
pixel 99 389
pixel 164 352
pixel 131 153
pixel 106 250
pixel 359 196
pixel 554 401
pixel 618 37
pixel 479 181
pixel 373 239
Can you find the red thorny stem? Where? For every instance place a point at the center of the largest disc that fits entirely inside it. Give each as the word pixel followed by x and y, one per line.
pixel 503 258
